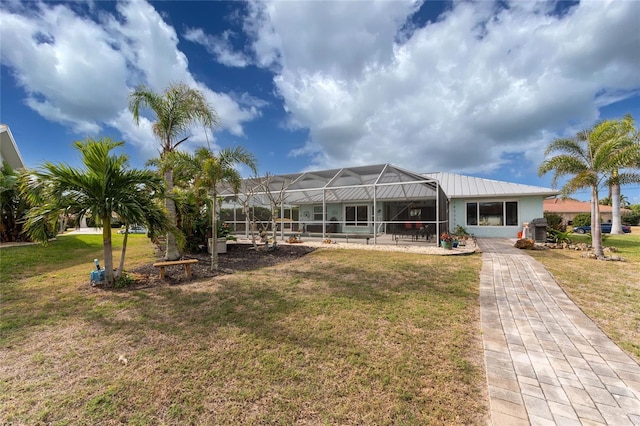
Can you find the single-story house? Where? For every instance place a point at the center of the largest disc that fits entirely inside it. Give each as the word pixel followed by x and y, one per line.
pixel 9 150
pixel 385 199
pixel 568 209
pixel 491 208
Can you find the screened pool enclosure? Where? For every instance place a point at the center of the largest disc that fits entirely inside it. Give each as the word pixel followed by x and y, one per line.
pixel 357 202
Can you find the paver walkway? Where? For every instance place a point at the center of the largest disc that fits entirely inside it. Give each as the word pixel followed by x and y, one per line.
pixel 547 362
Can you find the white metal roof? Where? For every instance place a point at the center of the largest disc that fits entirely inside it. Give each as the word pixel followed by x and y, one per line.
pixel 347 184
pixel 461 186
pixel 389 182
pixel 8 149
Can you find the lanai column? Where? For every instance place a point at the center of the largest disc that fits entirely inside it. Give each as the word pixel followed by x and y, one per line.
pixel 437 213
pixel 324 213
pixel 375 214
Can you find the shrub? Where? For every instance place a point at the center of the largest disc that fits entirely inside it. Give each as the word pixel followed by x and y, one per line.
pixel 554 221
pixel 631 219
pixel 582 219
pixel 560 236
pixel 460 231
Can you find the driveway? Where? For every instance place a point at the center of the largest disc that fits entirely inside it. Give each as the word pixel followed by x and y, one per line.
pixel 546 361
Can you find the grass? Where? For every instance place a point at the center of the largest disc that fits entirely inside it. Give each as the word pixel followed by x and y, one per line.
pixel 608 292
pixel 337 337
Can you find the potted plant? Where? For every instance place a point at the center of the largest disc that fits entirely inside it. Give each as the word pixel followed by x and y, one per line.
pixel 223 235
pixel 446 241
pixel 460 236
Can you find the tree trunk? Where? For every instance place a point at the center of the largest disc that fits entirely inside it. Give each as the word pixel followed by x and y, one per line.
pixel 172 252
pixel 214 235
pixel 63 223
pixel 123 253
pixel 108 254
pixel 596 229
pixel 616 219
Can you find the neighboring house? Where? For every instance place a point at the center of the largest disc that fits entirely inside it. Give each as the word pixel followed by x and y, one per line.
pixel 9 150
pixel 568 209
pixel 390 200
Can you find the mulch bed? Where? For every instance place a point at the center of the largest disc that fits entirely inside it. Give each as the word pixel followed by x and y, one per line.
pixel 239 257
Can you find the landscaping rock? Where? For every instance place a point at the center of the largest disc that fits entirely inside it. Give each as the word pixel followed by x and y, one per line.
pixel 525 244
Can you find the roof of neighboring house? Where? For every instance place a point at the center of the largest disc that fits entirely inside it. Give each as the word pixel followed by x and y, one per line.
pixel 559 205
pixel 461 186
pixel 8 149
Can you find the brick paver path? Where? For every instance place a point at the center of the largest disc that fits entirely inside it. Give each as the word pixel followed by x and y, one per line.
pixel 547 362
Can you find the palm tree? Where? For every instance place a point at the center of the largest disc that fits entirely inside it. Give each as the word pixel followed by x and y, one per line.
pixel 589 159
pixel 629 156
pixel 104 187
pixel 12 206
pixel 176 109
pixel 211 170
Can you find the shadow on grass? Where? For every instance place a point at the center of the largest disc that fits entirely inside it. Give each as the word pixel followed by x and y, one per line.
pixel 265 308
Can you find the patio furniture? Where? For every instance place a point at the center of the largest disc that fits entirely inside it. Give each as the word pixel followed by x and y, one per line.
pixel 186 262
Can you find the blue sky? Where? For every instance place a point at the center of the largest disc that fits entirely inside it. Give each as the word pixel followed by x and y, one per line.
pixel 478 88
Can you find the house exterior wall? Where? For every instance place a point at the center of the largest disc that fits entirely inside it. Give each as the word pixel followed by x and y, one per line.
pixel 528 208
pixel 309 221
pixel 567 218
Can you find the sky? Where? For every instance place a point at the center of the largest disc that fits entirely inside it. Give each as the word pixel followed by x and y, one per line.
pixel 478 88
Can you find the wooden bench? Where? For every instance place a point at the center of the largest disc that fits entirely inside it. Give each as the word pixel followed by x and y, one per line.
pixel 186 262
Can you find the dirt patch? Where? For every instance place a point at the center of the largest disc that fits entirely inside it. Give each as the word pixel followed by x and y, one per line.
pixel 239 257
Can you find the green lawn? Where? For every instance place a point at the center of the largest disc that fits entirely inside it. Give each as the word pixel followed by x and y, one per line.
pixel 609 292
pixel 337 337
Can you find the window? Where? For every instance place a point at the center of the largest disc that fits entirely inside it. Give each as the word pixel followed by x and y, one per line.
pixel 317 213
pixel 356 215
pixel 472 213
pixel 492 213
pixel 511 213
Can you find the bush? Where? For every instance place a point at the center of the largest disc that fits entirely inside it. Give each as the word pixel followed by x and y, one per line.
pixel 631 219
pixel 460 231
pixel 554 221
pixel 582 219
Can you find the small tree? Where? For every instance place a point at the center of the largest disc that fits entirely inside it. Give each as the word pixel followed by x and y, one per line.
pixel 211 170
pixel 103 188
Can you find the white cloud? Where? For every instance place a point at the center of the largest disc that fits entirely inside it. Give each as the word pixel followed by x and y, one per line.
pixel 78 66
pixel 61 60
pixel 461 93
pixel 218 46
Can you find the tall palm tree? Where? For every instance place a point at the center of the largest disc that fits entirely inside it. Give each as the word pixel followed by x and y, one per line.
pixel 588 160
pixel 210 171
pixel 629 155
pixel 104 187
pixel 177 109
